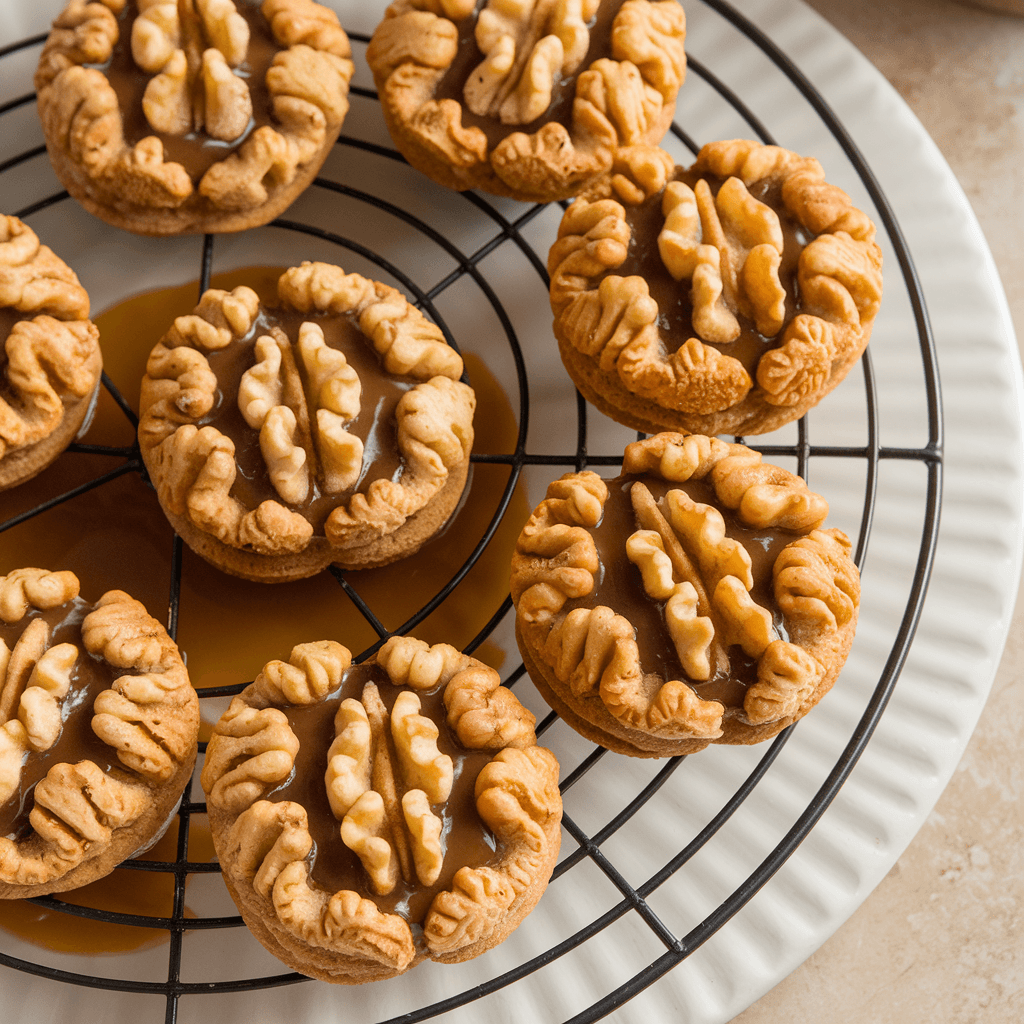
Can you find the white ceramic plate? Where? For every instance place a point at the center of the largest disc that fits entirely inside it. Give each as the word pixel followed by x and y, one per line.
pixel 947 674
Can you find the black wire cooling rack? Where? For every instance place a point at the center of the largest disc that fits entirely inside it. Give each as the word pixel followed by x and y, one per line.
pixel 581 845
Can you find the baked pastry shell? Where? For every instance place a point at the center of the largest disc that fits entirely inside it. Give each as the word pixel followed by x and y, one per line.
pixel 339 955
pixel 383 520
pixel 192 218
pixel 612 335
pixel 648 722
pixel 135 186
pixel 151 726
pixel 24 463
pixel 52 364
pixel 546 163
pixel 406 540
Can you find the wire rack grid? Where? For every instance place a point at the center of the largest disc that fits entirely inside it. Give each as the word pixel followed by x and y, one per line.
pixel 593 843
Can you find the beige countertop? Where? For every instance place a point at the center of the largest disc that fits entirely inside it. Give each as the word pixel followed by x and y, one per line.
pixel 939 941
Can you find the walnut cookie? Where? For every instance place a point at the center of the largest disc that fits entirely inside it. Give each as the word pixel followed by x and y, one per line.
pixel 526 98
pixel 727 298
pixel 166 117
pixel 695 599
pixel 368 817
pixel 50 362
pixel 98 732
pixel 332 428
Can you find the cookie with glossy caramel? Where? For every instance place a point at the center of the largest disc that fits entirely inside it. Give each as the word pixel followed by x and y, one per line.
pixel 330 427
pixel 171 116
pixel 530 99
pixel 50 362
pixel 98 732
pixel 695 599
pixel 725 298
pixel 368 817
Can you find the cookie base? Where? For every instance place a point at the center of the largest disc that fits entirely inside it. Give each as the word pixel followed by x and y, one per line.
pixel 126 842
pixel 482 174
pixel 589 717
pixel 319 553
pixel 603 730
pixel 196 215
pixel 341 969
pixel 22 464
pixel 752 415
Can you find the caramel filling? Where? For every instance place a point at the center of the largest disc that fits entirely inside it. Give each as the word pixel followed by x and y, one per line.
pixel 468 58
pixel 619 586
pixel 8 318
pixel 77 742
pixel 675 307
pixel 374 424
pixel 465 839
pixel 196 151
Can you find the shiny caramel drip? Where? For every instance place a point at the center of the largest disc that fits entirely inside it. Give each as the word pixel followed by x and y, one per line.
pixel 124 891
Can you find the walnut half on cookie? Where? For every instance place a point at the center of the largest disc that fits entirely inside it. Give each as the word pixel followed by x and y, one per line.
pixel 724 298
pixel 330 427
pixel 368 817
pixel 50 362
pixel 695 599
pixel 529 98
pixel 166 117
pixel 98 732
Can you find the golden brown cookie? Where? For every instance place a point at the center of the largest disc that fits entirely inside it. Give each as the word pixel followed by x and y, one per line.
pixel 531 98
pixel 98 730
pixel 50 362
pixel 330 428
pixel 171 116
pixel 726 298
pixel 695 599
pixel 367 817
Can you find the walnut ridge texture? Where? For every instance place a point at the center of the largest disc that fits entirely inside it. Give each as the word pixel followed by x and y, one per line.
pixel 529 98
pixel 403 836
pixel 261 469
pixel 172 116
pixel 50 362
pixel 729 297
pixel 695 599
pixel 98 731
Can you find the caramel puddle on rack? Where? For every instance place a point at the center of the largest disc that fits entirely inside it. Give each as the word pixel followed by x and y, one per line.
pixel 145 893
pixel 227 627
